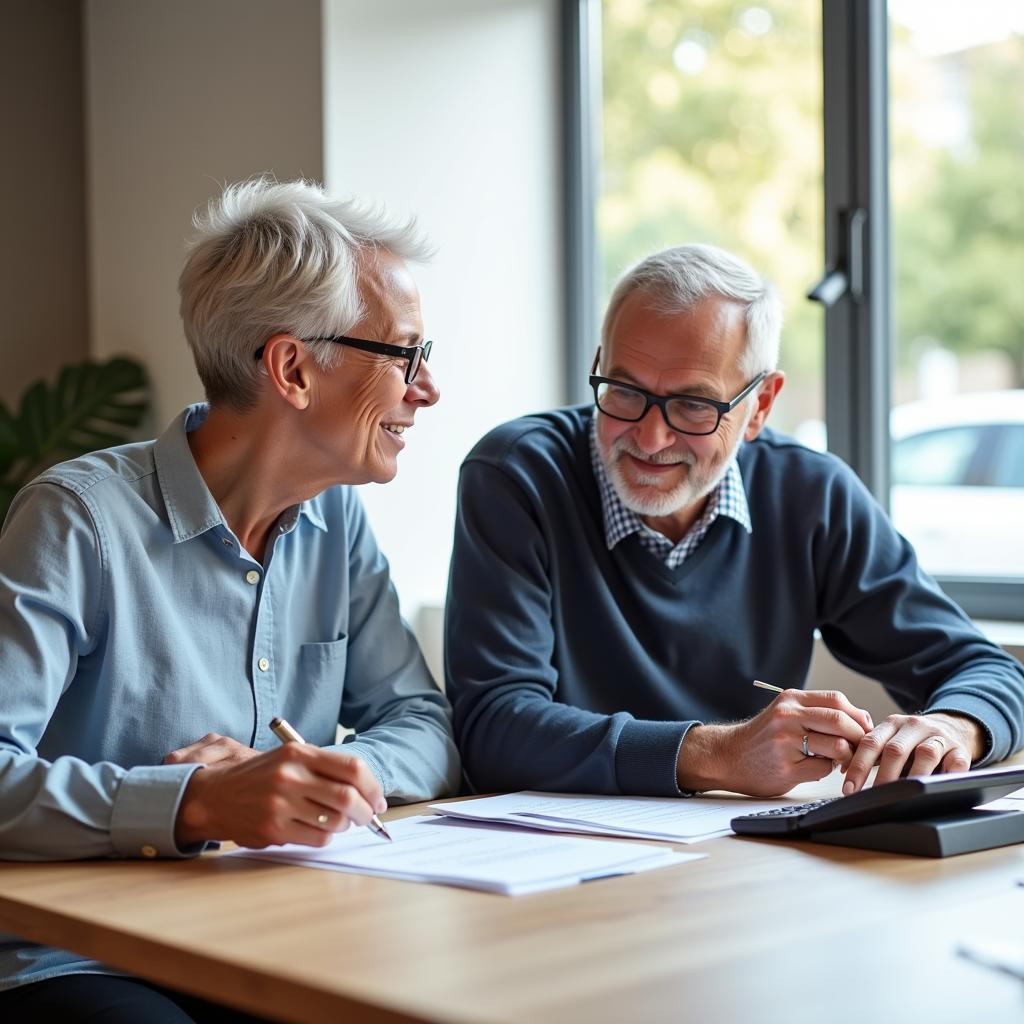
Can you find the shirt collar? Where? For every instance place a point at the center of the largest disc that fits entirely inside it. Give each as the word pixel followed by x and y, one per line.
pixel 191 508
pixel 729 498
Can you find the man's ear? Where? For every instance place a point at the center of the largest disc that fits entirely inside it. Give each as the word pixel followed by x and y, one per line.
pixel 767 392
pixel 287 364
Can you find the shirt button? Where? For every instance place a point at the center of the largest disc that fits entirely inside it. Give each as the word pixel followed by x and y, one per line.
pixel 148 851
pixel 226 542
pixel 264 664
pixel 252 576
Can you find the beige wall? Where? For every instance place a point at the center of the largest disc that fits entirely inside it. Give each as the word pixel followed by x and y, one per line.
pixel 182 96
pixel 42 255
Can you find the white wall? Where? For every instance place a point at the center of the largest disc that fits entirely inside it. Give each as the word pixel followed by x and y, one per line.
pixel 181 96
pixel 449 110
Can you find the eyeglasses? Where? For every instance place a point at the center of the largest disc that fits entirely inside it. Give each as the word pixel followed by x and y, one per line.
pixel 416 354
pixel 686 414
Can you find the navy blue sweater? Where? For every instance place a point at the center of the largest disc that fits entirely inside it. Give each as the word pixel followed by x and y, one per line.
pixel 576 668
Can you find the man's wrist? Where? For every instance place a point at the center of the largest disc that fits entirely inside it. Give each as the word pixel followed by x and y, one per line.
pixel 698 766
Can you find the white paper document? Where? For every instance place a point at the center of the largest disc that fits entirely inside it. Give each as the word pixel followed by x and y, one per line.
pixel 1000 956
pixel 500 860
pixel 637 817
pixel 1011 802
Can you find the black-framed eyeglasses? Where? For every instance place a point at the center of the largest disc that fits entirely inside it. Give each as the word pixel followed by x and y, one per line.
pixel 687 414
pixel 415 354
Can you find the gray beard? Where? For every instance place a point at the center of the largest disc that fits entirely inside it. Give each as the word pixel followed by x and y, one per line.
pixel 697 485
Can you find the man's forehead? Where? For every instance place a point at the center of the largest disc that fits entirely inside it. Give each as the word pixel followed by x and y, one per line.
pixel 697 346
pixel 640 316
pixel 635 350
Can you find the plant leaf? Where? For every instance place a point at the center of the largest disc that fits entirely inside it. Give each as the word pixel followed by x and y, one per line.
pixel 82 411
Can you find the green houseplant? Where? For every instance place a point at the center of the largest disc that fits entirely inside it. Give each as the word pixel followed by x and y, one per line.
pixel 92 405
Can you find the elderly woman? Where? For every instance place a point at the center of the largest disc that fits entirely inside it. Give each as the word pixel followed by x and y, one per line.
pixel 162 602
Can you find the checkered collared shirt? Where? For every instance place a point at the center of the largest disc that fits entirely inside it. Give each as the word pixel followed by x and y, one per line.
pixel 727 499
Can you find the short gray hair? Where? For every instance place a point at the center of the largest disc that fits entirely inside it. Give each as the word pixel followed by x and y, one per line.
pixel 273 256
pixel 678 279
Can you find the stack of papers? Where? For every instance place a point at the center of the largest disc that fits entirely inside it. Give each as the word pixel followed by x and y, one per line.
pixel 499 860
pixel 668 819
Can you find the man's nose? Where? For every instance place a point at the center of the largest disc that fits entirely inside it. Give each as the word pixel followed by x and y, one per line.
pixel 652 433
pixel 423 390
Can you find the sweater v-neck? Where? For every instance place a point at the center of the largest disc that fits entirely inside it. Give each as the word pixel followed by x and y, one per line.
pixel 646 560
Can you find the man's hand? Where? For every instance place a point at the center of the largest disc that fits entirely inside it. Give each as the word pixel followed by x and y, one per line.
pixel 212 749
pixel 764 755
pixel 915 745
pixel 297 793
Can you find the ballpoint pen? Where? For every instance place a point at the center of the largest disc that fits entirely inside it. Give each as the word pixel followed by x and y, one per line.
pixel 287 733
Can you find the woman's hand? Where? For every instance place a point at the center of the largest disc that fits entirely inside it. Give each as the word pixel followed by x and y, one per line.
pixel 298 793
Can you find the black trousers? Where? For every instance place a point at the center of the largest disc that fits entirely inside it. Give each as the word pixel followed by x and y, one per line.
pixel 107 999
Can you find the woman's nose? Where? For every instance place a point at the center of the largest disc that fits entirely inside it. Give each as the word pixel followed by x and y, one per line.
pixel 423 390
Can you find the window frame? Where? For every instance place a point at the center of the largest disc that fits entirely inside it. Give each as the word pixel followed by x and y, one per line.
pixel 856 288
pixel 581 162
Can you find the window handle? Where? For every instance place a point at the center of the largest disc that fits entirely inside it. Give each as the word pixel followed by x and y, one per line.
pixel 830 289
pixel 847 277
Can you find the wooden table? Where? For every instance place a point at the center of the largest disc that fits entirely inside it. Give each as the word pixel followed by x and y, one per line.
pixel 759 931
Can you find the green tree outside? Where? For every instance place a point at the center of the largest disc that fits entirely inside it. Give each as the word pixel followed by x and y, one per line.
pixel 712 132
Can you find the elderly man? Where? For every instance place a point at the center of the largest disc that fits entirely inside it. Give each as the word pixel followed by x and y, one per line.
pixel 162 602
pixel 622 572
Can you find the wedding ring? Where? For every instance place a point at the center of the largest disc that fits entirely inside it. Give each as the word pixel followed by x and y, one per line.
pixel 322 819
pixel 804 750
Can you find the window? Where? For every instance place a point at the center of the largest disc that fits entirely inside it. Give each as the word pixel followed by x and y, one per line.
pixel 711 129
pixel 956 103
pixel 714 117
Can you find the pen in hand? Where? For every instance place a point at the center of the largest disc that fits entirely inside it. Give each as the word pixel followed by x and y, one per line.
pixel 778 689
pixel 286 733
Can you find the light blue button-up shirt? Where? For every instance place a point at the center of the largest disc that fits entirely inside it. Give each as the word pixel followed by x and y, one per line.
pixel 132 623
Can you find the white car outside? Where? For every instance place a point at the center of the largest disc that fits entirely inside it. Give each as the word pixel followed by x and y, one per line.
pixel 958 482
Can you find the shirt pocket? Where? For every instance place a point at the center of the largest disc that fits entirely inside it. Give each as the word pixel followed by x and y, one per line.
pixel 318 660
pixel 321 684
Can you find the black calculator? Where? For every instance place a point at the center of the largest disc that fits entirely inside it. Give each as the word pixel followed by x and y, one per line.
pixel 925 796
pixel 779 821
